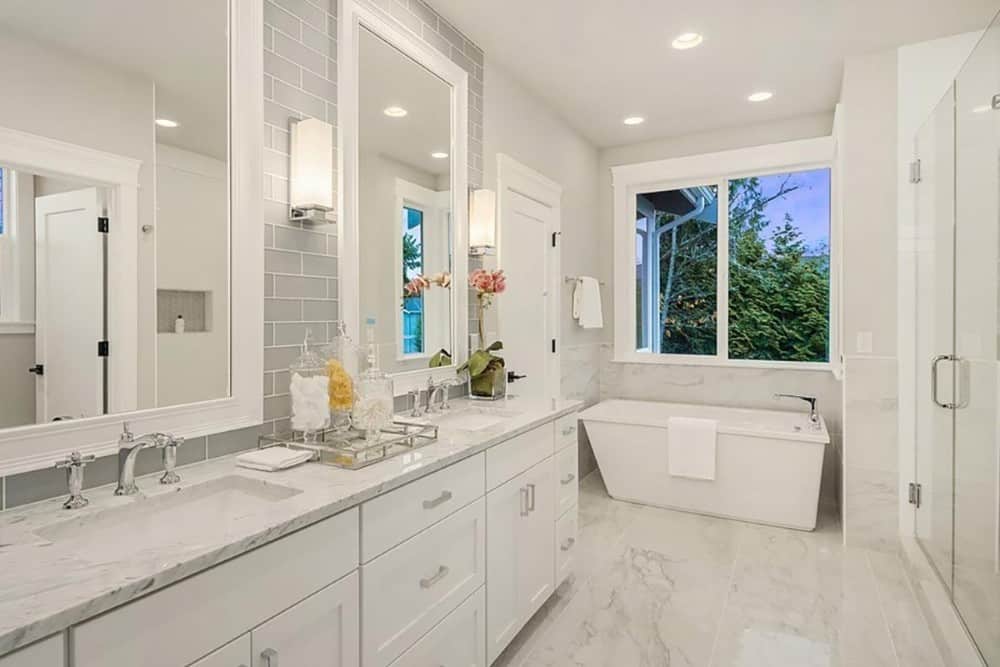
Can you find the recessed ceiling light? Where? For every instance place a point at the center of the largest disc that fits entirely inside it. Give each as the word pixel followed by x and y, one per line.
pixel 166 122
pixel 439 155
pixel 395 112
pixel 634 120
pixel 760 96
pixel 982 108
pixel 688 40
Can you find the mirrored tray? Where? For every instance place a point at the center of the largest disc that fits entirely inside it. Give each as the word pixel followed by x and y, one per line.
pixel 350 450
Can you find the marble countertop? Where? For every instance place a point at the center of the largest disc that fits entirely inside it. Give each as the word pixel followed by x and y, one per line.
pixel 46 587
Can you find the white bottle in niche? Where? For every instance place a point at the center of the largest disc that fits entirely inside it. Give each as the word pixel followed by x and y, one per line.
pixel 179 324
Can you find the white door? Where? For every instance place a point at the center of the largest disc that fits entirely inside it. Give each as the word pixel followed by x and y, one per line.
pixel 506 508
pixel 236 653
pixel 536 543
pixel 528 252
pixel 321 631
pixel 69 312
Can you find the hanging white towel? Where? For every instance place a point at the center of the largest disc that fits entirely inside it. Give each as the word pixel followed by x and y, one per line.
pixel 273 459
pixel 587 303
pixel 691 447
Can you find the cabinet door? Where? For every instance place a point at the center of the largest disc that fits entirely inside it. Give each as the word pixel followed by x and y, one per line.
pixel 536 541
pixel 45 653
pixel 320 631
pixel 236 653
pixel 506 510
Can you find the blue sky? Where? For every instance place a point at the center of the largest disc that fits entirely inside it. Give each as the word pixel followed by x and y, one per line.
pixel 809 206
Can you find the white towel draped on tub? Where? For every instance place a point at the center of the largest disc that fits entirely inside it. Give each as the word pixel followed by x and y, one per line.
pixel 587 303
pixel 691 447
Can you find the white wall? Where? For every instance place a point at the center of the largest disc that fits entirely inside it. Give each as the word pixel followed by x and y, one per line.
pixel 17 388
pixel 63 96
pixel 925 71
pixel 192 227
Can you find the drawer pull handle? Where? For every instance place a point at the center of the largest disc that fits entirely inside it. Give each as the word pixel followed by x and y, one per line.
pixel 436 577
pixel 568 544
pixel 531 497
pixel 567 479
pixel 443 498
pixel 270 657
pixel 524 501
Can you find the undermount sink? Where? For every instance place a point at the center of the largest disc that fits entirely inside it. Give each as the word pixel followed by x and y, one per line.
pixel 472 419
pixel 188 515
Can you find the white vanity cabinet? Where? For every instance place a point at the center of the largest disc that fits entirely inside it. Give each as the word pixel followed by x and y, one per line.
pixel 49 652
pixel 237 653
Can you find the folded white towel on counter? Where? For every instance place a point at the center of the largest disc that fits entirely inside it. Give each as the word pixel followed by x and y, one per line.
pixel 273 459
pixel 691 447
pixel 587 303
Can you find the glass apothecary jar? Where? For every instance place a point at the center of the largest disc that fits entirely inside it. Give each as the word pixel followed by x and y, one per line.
pixel 342 357
pixel 308 388
pixel 373 406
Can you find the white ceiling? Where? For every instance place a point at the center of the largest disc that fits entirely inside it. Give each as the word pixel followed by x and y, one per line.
pixel 179 45
pixel 596 62
pixel 388 77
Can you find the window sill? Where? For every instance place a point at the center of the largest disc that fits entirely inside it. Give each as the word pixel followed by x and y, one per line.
pixel 665 360
pixel 17 328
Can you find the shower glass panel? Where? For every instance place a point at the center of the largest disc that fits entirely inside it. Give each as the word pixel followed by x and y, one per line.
pixel 935 306
pixel 976 582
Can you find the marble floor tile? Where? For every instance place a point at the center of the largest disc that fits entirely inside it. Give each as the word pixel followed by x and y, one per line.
pixel 657 588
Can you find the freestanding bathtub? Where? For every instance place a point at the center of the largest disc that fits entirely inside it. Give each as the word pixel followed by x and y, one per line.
pixel 768 462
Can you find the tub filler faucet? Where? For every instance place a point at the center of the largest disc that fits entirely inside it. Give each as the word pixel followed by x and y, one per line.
pixel 811 400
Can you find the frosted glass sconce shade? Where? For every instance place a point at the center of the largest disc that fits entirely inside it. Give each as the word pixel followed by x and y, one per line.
pixel 311 175
pixel 482 222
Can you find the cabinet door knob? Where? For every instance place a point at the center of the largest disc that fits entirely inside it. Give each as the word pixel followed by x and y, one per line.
pixel 270 657
pixel 443 498
pixel 436 577
pixel 567 479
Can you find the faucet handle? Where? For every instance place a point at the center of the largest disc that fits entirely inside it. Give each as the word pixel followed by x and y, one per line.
pixel 169 447
pixel 126 435
pixel 74 465
pixel 75 460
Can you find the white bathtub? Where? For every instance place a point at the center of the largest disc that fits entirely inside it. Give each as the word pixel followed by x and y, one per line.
pixel 768 462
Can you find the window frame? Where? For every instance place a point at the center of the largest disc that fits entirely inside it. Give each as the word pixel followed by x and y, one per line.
pixel 631 180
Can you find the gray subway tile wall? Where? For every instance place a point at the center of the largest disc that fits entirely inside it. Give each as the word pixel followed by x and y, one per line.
pixel 300 288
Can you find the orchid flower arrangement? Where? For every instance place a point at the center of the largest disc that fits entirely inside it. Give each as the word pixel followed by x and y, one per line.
pixel 483 363
pixel 417 285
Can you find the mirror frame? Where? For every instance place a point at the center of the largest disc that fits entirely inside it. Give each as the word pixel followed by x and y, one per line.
pixel 352 17
pixel 36 446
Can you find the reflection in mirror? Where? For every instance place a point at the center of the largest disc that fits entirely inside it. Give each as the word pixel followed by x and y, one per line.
pixel 114 207
pixel 405 229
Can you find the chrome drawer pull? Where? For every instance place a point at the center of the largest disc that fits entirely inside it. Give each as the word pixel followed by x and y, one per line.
pixel 438 576
pixel 568 544
pixel 270 657
pixel 531 497
pixel 566 480
pixel 524 501
pixel 568 430
pixel 443 498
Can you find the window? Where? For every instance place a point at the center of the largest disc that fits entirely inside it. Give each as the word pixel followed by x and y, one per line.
pixel 413 267
pixel 733 268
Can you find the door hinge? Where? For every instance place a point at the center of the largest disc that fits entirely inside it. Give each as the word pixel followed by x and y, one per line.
pixel 915 492
pixel 103 348
pixel 555 235
pixel 915 171
pixel 553 346
pixel 102 225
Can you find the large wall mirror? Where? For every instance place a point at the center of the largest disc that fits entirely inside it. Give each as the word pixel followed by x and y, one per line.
pixel 118 192
pixel 405 195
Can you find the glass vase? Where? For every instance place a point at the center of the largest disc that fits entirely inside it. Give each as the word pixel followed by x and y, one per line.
pixel 490 385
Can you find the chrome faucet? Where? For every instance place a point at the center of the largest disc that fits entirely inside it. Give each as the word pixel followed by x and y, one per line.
pixel 811 400
pixel 129 447
pixel 436 392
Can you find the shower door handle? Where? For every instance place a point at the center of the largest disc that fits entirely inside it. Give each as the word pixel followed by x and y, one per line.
pixel 934 380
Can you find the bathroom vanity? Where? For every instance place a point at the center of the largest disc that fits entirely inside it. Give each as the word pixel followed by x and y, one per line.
pixel 438 556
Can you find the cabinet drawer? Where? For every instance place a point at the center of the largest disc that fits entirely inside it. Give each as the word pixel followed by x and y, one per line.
pixel 457 640
pixel 566 428
pixel 409 589
pixel 509 459
pixel 45 653
pixel 183 622
pixel 567 485
pixel 398 515
pixel 566 537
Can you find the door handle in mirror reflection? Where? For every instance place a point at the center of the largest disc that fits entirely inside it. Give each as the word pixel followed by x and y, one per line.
pixel 443 498
pixel 436 577
pixel 514 377
pixel 37 369
pixel 269 657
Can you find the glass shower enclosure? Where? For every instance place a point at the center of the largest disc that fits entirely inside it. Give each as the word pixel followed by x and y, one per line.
pixel 957 502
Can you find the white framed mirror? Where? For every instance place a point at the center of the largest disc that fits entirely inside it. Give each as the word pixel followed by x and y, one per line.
pixel 131 240
pixel 404 197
